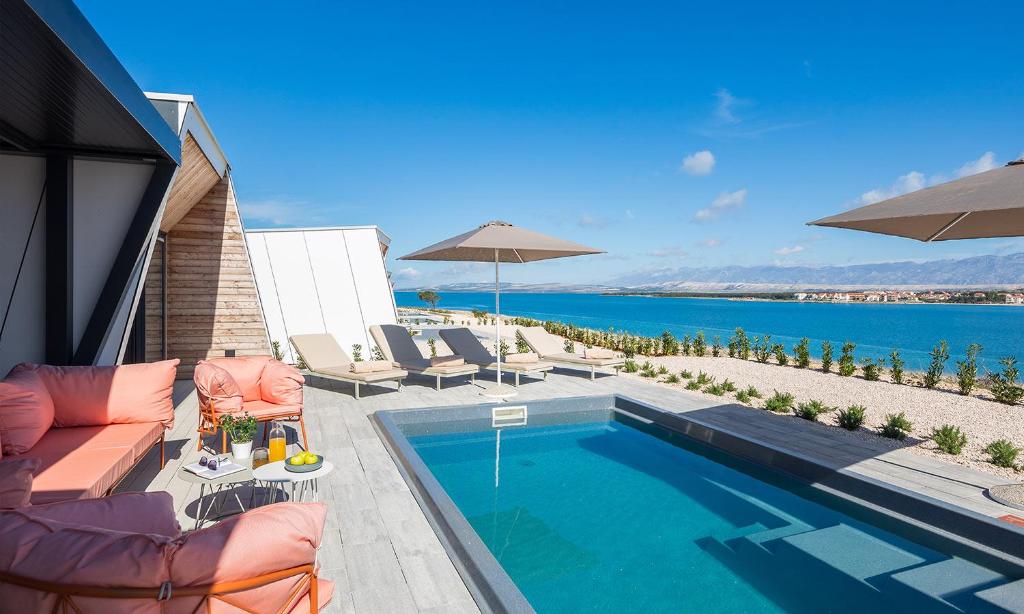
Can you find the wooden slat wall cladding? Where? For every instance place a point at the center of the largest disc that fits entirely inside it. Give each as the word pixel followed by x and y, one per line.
pixel 212 303
pixel 154 306
pixel 195 178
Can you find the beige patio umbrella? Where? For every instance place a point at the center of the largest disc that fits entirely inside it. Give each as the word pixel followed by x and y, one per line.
pixel 500 242
pixel 989 204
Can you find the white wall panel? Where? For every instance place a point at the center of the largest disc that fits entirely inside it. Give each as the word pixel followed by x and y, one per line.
pixel 321 280
pixel 21 186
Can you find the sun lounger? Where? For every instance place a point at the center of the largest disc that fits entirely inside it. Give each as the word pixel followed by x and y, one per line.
pixel 325 358
pixel 550 348
pixel 462 341
pixel 396 344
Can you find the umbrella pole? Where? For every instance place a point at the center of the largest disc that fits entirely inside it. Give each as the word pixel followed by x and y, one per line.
pixel 497 316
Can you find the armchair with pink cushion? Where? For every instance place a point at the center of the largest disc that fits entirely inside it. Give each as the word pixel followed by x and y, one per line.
pixel 126 553
pixel 265 388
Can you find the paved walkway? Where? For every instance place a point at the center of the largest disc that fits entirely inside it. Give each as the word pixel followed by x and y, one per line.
pixel 378 546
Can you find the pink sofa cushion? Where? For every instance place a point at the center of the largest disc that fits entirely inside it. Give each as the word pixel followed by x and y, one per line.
pixel 132 512
pixel 246 370
pixel 262 410
pixel 281 384
pixel 96 396
pixel 259 541
pixel 86 461
pixel 26 411
pixel 214 384
pixel 16 481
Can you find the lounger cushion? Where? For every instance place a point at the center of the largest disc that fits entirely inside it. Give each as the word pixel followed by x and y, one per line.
pixel 16 481
pixel 598 353
pixel 371 366
pixel 246 370
pixel 396 344
pixel 133 512
pixel 86 461
pixel 541 341
pixel 281 383
pixel 447 361
pixel 215 385
pixel 462 341
pixel 579 360
pixel 422 365
pixel 263 409
pixel 125 394
pixel 26 411
pixel 345 373
pixel 522 357
pixel 320 351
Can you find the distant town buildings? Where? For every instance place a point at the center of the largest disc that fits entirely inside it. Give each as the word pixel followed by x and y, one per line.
pixel 905 296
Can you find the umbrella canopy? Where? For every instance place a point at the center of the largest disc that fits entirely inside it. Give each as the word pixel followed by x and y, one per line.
pixel 989 204
pixel 514 244
pixel 500 242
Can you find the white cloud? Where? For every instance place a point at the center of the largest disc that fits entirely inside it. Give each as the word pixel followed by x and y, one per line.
pixel 911 182
pixel 407 273
pixel 699 163
pixel 723 202
pixel 986 162
pixel 725 109
pixel 274 212
pixel 786 251
pixel 710 243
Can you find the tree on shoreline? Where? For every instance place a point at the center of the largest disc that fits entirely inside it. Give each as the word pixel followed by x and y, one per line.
pixel 429 297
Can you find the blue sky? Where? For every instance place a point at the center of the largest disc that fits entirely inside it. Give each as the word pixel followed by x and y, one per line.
pixel 592 121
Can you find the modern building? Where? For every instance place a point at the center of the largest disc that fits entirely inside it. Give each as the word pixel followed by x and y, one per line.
pixel 86 163
pixel 200 296
pixel 317 280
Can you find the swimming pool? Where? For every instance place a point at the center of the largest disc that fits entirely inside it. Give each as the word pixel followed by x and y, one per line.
pixel 603 504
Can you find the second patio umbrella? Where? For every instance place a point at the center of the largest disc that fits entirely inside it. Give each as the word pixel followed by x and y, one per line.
pixel 500 242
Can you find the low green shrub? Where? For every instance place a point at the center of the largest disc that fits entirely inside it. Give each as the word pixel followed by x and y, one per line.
pixel 753 392
pixel 715 389
pixel 939 354
pixel 780 403
pixel 687 345
pixel 780 354
pixel 811 410
pixel 630 366
pixel 686 374
pixel 896 365
pixel 762 348
pixel 671 379
pixel 728 385
pixel 648 373
pixel 803 353
pixel 872 368
pixel 1004 385
pixel 896 426
pixel 739 344
pixel 700 344
pixel 743 397
pixel 949 439
pixel 852 417
pixel 1003 453
pixel 716 346
pixel 826 356
pixel 669 345
pixel 662 370
pixel 569 346
pixel 967 370
pixel 846 361
pixel 704 378
pixel 693 385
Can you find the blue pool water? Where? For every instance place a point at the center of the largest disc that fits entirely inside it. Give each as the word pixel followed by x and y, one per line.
pixel 605 517
pixel 875 328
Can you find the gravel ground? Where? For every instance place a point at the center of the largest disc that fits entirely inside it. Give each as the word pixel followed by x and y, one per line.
pixel 980 418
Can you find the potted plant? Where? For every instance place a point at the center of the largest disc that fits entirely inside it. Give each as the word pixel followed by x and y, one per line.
pixel 240 430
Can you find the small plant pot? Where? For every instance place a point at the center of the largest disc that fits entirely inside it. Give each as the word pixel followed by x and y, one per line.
pixel 241 451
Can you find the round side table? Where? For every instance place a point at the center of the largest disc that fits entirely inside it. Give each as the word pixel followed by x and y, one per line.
pixel 278 477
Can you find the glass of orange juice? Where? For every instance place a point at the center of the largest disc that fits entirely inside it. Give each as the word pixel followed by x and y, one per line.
pixel 278 443
pixel 260 457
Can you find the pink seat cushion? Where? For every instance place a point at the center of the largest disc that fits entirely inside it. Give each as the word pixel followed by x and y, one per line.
pixel 215 385
pixel 324 594
pixel 26 411
pixel 95 396
pixel 133 512
pixel 262 409
pixel 16 481
pixel 281 384
pixel 246 371
pixel 87 461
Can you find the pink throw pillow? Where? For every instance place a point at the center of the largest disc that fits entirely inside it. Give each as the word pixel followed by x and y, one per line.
pixel 97 396
pixel 131 512
pixel 246 370
pixel 281 384
pixel 214 384
pixel 26 411
pixel 16 481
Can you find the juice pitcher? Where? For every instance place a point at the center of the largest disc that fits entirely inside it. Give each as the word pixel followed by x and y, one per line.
pixel 278 445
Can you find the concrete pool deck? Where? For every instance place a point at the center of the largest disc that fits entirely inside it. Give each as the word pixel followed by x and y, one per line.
pixel 379 547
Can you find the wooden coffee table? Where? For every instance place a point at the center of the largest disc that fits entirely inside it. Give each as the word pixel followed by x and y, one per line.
pixel 277 477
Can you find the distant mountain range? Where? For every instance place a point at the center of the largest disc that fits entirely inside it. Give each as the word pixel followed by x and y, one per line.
pixel 1005 271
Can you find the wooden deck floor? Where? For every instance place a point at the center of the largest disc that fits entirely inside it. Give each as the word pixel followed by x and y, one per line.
pixel 379 547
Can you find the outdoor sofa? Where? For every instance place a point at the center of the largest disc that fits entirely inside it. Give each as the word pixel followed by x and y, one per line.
pixel 397 346
pixel 549 347
pixel 260 386
pixel 325 358
pixel 86 426
pixel 463 342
